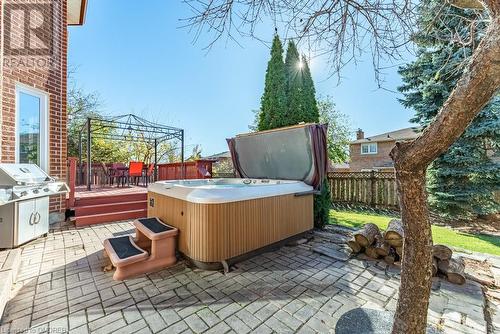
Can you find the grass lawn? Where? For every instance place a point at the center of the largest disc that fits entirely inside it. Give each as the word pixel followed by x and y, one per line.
pixel 441 235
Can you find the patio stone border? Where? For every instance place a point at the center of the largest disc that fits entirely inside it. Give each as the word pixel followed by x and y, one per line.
pixel 10 260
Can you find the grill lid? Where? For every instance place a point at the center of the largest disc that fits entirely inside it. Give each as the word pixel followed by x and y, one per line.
pixel 18 174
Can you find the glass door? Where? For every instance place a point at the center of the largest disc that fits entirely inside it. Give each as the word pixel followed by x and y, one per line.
pixel 32 131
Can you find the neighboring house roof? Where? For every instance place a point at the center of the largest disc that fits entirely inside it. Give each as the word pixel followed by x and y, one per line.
pixel 76 12
pixel 218 156
pixel 402 134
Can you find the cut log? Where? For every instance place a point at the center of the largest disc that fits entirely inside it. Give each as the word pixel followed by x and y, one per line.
pixel 394 233
pixel 355 247
pixel 381 246
pixel 454 270
pixel 392 256
pixel 366 236
pixel 441 252
pixel 371 251
pixel 389 259
pixel 443 265
pixel 399 251
pixel 434 266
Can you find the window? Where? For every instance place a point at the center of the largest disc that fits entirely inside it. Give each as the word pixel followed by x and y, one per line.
pixel 370 148
pixel 31 126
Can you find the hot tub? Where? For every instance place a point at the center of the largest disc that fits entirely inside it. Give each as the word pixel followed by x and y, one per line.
pixel 226 220
pixel 222 220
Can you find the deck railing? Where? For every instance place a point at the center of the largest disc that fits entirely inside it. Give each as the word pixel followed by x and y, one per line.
pixel 198 169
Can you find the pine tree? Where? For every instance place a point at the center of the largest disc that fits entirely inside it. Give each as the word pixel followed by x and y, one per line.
pixel 303 107
pixel 460 182
pixel 310 105
pixel 274 100
pixel 294 85
pixel 288 99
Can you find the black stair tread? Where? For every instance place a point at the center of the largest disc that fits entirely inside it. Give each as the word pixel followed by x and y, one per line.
pixel 154 225
pixel 124 248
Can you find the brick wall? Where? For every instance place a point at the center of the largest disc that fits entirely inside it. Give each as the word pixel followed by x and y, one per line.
pixel 368 161
pixel 49 78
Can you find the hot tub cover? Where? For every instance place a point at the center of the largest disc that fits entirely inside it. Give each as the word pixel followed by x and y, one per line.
pixel 291 153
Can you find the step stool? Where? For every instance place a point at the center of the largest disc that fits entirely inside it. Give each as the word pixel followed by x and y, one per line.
pixel 152 249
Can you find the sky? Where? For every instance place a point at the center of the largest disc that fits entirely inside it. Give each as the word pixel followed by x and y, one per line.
pixel 140 59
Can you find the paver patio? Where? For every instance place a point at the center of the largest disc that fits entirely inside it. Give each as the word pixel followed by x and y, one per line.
pixel 61 288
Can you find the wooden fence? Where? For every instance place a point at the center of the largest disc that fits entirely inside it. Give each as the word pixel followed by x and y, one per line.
pixel 375 189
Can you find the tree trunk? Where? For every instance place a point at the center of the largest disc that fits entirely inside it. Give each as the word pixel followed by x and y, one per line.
pixel 416 264
pixel 478 84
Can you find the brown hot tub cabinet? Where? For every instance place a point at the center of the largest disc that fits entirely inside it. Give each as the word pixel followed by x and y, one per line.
pixel 225 220
pixel 212 233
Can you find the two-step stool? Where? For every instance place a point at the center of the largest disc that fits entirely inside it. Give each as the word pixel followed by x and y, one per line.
pixel 152 249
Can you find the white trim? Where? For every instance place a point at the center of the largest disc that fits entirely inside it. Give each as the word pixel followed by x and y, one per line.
pixel 44 123
pixel 368 145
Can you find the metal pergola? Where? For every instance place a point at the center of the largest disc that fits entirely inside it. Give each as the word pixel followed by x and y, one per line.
pixel 126 128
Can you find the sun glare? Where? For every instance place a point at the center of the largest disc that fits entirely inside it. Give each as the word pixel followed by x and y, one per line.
pixel 301 64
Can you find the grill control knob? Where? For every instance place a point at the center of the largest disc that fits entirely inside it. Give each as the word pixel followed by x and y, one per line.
pixel 46 190
pixel 24 193
pixel 35 191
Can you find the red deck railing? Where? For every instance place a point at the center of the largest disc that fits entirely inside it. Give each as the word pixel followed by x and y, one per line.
pixel 199 169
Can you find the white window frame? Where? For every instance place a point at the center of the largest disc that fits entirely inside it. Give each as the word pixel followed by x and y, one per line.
pixel 369 145
pixel 44 122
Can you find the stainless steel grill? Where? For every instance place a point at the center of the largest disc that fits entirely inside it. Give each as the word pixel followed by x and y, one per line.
pixel 24 202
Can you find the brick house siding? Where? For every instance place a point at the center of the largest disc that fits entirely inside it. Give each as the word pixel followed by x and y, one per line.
pixel 50 78
pixel 381 160
pixel 370 161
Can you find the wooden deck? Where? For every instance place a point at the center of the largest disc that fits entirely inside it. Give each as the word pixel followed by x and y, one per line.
pixel 82 192
pixel 109 204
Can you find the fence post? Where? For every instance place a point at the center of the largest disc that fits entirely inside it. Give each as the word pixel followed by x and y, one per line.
pixel 72 181
pixel 373 189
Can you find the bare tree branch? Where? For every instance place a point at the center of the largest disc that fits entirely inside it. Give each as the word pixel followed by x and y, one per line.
pixel 341 29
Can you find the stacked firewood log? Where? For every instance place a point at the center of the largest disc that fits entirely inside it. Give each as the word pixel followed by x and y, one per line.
pixel 443 263
pixel 377 244
pixel 388 245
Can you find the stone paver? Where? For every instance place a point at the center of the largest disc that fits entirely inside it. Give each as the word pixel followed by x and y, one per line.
pixel 61 288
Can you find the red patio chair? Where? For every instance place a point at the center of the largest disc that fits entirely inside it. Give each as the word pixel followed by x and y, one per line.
pixel 135 171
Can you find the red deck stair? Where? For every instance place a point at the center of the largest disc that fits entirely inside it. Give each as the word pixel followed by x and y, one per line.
pixel 110 208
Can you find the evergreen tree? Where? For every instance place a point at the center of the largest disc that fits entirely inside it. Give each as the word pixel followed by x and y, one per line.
pixel 288 99
pixel 303 107
pixel 294 85
pixel 274 101
pixel 310 105
pixel 460 182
